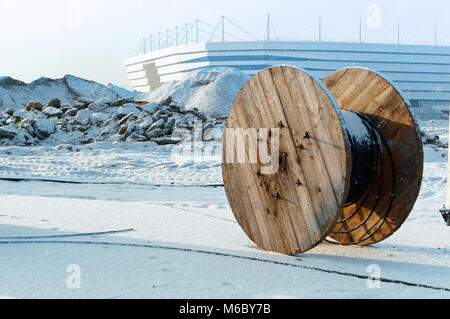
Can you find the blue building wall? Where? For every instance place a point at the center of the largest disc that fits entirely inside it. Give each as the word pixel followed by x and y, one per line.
pixel 421 72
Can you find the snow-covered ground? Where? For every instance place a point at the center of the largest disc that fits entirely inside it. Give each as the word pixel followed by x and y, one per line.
pixel 180 237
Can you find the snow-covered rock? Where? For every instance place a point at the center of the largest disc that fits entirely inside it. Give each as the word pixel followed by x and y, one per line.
pixel 51 112
pixel 56 103
pixel 128 108
pixel 209 90
pixel 81 105
pixel 67 90
pixel 100 118
pixel 155 132
pixel 124 92
pixel 89 90
pixel 34 106
pixel 157 125
pixel 9 131
pixel 146 123
pixel 204 96
pixel 99 106
pixel 44 127
pixel 20 114
pixel 83 115
pixel 150 107
pixel 71 112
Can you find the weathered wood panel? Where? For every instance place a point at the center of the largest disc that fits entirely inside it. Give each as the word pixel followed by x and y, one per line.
pixel 293 209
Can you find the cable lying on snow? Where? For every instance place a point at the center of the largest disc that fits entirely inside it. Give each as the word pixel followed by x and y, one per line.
pixel 61 181
pixel 206 252
pixel 71 235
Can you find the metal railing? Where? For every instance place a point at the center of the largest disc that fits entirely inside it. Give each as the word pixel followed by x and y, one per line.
pixel 196 32
pixel 226 30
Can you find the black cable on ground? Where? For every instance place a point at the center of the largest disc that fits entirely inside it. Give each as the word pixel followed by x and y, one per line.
pixel 56 181
pixel 206 252
pixel 72 235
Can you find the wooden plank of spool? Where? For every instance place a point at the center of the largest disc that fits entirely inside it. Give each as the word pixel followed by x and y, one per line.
pixel 293 209
pixel 369 93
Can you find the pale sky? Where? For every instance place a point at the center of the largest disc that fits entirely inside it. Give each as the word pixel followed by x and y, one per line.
pixel 91 38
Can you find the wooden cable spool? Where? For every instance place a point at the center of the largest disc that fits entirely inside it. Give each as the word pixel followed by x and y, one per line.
pixel 304 160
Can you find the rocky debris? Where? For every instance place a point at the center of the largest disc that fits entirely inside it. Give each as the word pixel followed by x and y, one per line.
pixel 85 122
pixel 81 105
pixel 124 119
pixel 206 91
pixel 121 102
pixel 71 112
pixel 56 103
pixel 18 115
pixel 99 106
pixel 128 108
pixel 150 107
pixel 83 116
pixel 8 112
pixel 86 112
pixel 166 140
pixel 52 111
pixel 8 131
pixel 16 94
pixel 34 106
pixel 154 133
pixel 432 140
pixel 43 127
pixel 136 137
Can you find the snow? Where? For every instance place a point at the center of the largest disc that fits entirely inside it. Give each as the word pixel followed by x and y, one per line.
pixel 9 131
pixel 129 108
pixel 98 106
pixel 123 92
pixel 185 235
pixel 15 94
pixel 181 239
pixel 210 90
pixel 51 112
pixel 91 113
pixel 83 115
pixel 44 127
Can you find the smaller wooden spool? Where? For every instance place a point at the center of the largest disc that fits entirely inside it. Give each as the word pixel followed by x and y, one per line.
pixel 295 207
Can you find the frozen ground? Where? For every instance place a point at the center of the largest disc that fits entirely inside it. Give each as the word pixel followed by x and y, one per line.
pixel 182 240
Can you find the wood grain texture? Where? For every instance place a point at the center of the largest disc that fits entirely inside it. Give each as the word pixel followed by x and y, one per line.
pixel 294 209
pixel 364 91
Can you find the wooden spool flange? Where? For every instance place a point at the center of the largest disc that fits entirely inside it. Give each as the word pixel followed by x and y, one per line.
pixel 294 207
pixel 397 186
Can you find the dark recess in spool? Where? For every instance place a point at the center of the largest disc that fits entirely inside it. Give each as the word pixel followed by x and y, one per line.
pixel 363 148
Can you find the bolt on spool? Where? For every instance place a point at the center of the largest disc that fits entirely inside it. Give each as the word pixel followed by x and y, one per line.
pixel 340 159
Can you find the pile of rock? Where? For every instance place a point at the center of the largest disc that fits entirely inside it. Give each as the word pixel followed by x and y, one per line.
pixel 86 122
pixel 432 140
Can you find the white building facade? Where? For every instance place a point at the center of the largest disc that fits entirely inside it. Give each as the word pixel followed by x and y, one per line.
pixel 421 71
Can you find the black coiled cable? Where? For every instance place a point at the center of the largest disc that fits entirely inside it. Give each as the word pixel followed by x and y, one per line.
pixel 364 178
